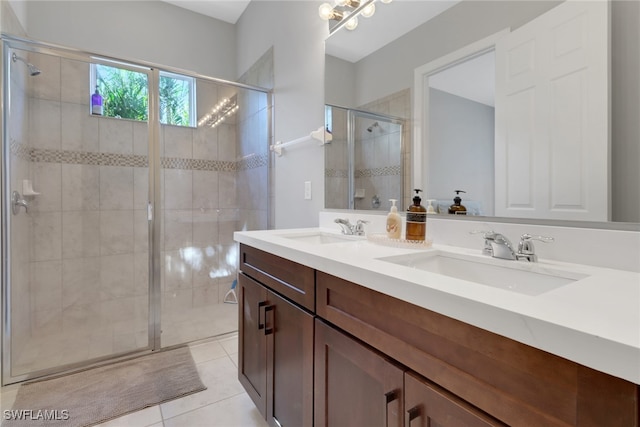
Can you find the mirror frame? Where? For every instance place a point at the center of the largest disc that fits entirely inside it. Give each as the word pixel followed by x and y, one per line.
pixel 421 136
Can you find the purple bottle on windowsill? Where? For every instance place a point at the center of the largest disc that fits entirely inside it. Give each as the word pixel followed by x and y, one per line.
pixel 96 103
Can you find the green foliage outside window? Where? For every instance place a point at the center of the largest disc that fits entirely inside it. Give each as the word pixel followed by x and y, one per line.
pixel 174 101
pixel 125 95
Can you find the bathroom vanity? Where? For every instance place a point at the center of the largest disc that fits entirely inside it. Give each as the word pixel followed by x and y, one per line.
pixel 339 331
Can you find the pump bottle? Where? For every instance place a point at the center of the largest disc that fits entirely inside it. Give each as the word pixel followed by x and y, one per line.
pixel 394 222
pixel 416 219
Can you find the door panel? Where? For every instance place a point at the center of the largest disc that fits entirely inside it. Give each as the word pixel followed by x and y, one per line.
pixel 354 386
pixel 552 116
pixel 78 277
pixel 252 356
pixel 289 363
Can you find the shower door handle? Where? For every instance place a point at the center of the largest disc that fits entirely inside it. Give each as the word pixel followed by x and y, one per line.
pixel 17 201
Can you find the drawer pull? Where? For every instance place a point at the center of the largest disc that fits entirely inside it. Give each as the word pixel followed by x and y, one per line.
pixel 389 397
pixel 411 415
pixel 268 331
pixel 261 306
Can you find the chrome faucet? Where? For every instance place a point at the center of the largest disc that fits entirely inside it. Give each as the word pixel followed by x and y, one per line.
pixel 356 229
pixel 498 246
pixel 501 247
pixel 526 250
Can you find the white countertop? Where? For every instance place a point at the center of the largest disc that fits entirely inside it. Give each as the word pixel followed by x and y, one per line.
pixel 594 321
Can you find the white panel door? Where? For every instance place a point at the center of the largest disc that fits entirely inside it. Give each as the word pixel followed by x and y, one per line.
pixel 552 115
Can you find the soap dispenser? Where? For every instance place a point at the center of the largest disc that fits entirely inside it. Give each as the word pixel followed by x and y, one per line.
pixel 456 208
pixel 394 222
pixel 416 219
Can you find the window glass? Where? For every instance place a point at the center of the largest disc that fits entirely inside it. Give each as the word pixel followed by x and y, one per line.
pixel 125 95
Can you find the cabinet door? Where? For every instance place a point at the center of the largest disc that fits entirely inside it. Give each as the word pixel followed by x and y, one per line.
pixel 427 405
pixel 355 386
pixel 289 363
pixel 252 354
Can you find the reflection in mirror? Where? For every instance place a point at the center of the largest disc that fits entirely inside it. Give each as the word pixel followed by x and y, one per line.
pixel 367 75
pixel 461 135
pixel 363 162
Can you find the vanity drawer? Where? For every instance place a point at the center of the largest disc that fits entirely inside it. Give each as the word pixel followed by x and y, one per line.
pixel 288 278
pixel 515 383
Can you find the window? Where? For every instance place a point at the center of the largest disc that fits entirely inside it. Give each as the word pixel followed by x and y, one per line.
pixel 125 95
pixel 177 100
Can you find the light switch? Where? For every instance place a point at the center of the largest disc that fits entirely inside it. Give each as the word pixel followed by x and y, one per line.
pixel 307 190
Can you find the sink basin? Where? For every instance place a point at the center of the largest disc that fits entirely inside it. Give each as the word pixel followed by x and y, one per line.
pixel 319 238
pixel 520 277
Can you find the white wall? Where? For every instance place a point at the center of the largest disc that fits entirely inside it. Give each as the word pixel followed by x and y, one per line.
pixel 340 82
pixel 152 31
pixel 297 35
pixel 461 139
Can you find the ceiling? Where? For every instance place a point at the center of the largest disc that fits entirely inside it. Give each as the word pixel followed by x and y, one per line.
pixel 390 21
pixel 224 10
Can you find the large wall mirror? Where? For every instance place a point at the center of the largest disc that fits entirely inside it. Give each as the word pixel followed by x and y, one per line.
pixel 381 79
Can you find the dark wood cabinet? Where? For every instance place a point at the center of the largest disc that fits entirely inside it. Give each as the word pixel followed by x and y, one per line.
pixel 427 405
pixel 252 341
pixel 355 386
pixel 275 355
pixel 378 361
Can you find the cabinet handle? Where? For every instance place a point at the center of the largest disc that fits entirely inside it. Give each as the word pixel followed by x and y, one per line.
pixel 411 415
pixel 261 305
pixel 267 308
pixel 389 397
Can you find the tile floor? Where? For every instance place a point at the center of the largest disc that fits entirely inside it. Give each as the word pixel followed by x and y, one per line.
pixel 223 404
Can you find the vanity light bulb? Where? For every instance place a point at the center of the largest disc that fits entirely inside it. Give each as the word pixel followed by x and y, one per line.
pixel 368 10
pixel 351 23
pixel 325 11
pixel 341 2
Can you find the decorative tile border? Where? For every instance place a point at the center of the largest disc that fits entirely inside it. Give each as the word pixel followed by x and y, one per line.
pixel 336 173
pixel 38 155
pixel 252 161
pixel 383 171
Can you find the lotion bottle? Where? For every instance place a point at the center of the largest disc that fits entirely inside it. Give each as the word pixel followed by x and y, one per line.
pixel 416 219
pixel 394 222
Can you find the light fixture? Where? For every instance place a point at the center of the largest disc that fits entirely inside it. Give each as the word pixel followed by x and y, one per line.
pixel 346 12
pixel 369 10
pixel 348 3
pixel 351 23
pixel 326 12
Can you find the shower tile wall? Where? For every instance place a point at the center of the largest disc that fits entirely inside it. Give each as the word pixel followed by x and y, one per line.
pixel 254 138
pixel 398 105
pixel 198 182
pixel 337 163
pixel 80 257
pixel 87 234
pixel 376 164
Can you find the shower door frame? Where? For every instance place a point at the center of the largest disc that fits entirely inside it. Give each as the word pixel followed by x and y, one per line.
pixel 9 42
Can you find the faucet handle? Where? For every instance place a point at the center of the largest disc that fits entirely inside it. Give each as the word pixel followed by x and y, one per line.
pixel 528 237
pixel 526 250
pixel 488 235
pixel 359 228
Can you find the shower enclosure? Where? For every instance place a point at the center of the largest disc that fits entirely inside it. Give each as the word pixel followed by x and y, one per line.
pixel 117 234
pixel 364 162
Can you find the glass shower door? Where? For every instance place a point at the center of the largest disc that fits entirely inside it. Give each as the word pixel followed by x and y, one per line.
pixel 77 228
